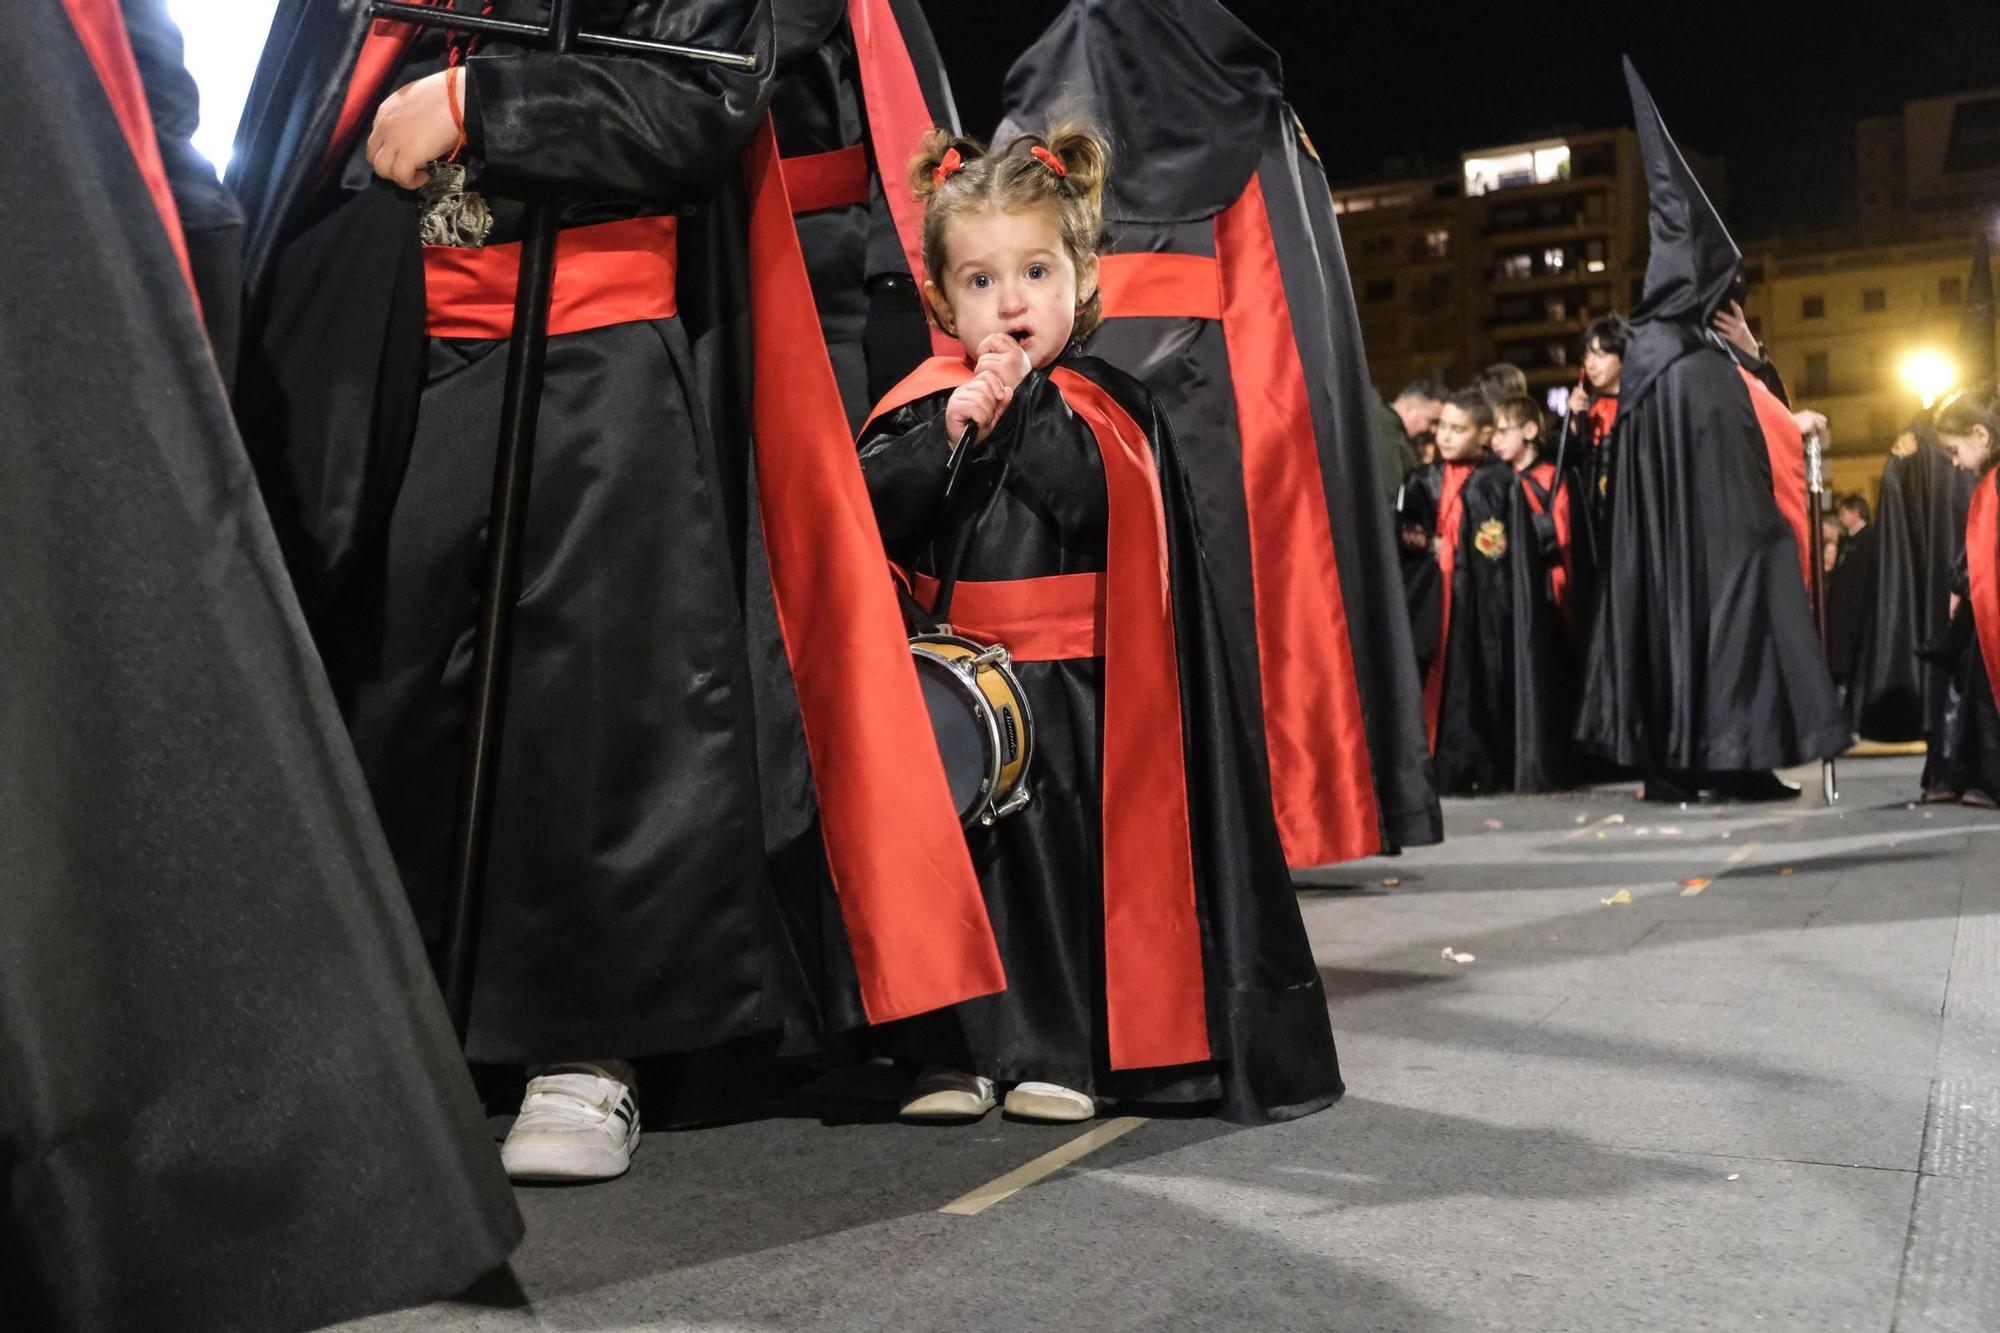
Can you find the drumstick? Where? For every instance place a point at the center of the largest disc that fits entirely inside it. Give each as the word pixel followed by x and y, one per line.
pixel 956 462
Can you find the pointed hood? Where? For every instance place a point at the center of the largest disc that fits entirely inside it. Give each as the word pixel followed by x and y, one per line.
pixel 1692 259
pixel 1975 338
pixel 1181 88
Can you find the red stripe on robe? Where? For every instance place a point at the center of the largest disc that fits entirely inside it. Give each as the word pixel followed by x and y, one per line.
pixel 1155 990
pixel 100 26
pixel 1786 446
pixel 1451 516
pixel 1322 778
pixel 1982 568
pixel 1565 570
pixel 908 893
pixel 898 119
pixel 1160 286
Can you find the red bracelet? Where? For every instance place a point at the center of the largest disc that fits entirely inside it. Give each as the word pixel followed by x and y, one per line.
pixel 451 97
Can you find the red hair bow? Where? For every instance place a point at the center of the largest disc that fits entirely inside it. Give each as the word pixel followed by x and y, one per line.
pixel 947 167
pixel 1049 160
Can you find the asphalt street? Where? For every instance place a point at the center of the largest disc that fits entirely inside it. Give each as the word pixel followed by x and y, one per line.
pixel 1610 1066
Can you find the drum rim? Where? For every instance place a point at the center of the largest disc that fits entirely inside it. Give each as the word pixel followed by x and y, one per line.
pixel 968 680
pixel 963 681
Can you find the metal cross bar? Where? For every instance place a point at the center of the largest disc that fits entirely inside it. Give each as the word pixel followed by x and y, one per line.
pixel 534 34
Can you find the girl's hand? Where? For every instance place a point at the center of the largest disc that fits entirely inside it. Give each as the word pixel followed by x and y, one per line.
pixel 1001 367
pixel 414 128
pixel 977 402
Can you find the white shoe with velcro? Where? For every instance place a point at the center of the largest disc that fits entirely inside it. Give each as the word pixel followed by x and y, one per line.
pixel 577 1122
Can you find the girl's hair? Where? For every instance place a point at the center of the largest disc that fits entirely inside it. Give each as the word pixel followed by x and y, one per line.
pixel 1959 415
pixel 1017 179
pixel 1474 403
pixel 1518 410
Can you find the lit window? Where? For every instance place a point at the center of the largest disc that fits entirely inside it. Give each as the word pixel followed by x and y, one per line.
pixel 1554 258
pixel 1526 166
pixel 1594 266
pixel 1437 243
pixel 1517 266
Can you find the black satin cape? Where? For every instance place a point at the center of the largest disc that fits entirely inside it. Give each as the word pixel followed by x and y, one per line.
pixel 1039 487
pixel 1893 694
pixel 1703 652
pixel 869 305
pixel 1193 104
pixel 232 1099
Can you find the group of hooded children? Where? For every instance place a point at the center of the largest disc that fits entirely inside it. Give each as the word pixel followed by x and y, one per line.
pixel 1495 535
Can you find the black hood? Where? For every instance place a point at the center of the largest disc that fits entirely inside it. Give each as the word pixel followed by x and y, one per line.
pixel 1975 338
pixel 1180 87
pixel 1692 259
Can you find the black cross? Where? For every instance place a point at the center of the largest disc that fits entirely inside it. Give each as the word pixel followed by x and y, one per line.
pixel 500 584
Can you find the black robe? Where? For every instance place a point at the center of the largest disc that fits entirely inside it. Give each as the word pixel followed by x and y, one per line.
pixel 1894 693
pixel 1227 294
pixel 629 904
pixel 1037 490
pixel 1703 651
pixel 232 1099
pixel 870 307
pixel 1503 686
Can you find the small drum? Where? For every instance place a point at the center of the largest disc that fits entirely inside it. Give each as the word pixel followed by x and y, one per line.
pixel 985 731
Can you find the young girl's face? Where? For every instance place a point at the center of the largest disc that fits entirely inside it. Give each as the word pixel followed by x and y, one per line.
pixel 1970 450
pixel 1459 437
pixel 1008 272
pixel 1514 444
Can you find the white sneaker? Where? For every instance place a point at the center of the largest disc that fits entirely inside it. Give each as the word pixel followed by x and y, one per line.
pixel 949 1094
pixel 578 1122
pixel 1050 1101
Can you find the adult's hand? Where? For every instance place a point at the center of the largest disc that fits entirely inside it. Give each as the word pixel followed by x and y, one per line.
pixel 1735 329
pixel 1579 401
pixel 414 128
pixel 1813 423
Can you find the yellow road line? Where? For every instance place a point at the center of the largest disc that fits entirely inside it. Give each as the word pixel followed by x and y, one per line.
pixel 1007 1186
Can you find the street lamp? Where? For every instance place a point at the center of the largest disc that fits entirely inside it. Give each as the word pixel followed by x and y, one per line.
pixel 1930 373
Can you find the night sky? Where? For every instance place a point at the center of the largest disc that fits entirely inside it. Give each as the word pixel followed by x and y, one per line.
pixel 1773 89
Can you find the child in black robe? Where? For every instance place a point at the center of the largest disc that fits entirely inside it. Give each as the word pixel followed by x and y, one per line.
pixel 1967 765
pixel 1152 944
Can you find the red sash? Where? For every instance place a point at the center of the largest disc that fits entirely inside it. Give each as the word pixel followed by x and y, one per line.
pixel 1450 518
pixel 100 26
pixel 1155 994
pixel 1786 447
pixel 827 180
pixel 907 889
pixel 1315 736
pixel 898 119
pixel 1982 568
pixel 1564 571
pixel 610 273
pixel 1054 619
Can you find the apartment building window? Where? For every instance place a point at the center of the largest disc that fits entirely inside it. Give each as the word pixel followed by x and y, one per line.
pixel 1555 259
pixel 1517 266
pixel 1437 243
pixel 1874 300
pixel 1951 291
pixel 1378 247
pixel 1379 289
pixel 1812 307
pixel 1819 373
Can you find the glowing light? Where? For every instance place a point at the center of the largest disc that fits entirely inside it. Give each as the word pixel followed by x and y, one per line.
pixel 1929 373
pixel 223 42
